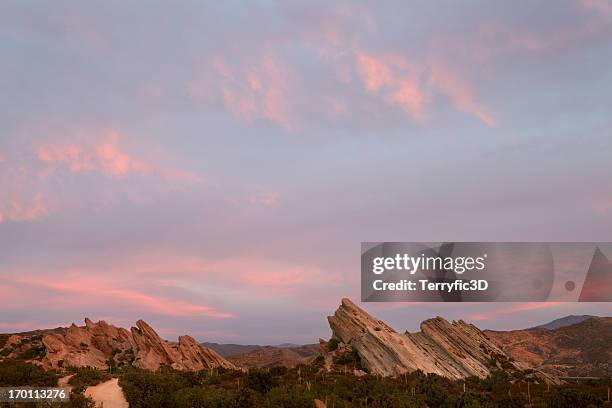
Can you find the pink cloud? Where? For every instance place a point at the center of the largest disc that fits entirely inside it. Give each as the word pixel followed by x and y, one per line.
pixel 397 81
pixel 18 209
pixel 375 72
pixel 105 155
pixel 87 289
pixel 259 91
pixel 117 163
pixel 459 91
pixel 407 95
pixel 390 77
pixel 601 7
pixel 264 197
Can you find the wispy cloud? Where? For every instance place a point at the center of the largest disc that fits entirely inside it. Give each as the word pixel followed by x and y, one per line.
pixel 393 78
pixel 86 291
pixel 251 90
pixel 103 154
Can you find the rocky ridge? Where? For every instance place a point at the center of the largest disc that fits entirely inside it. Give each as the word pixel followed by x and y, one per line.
pixel 455 350
pixel 100 344
pixel 270 356
pixel 577 350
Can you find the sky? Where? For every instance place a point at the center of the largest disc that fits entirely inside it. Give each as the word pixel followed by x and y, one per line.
pixel 212 167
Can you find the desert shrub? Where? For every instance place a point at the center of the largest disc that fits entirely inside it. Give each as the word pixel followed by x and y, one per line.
pixel 318 361
pixel 18 373
pixel 298 387
pixel 246 398
pixel 349 358
pixel 573 397
pixel 201 397
pixel 496 381
pixel 278 370
pixel 78 400
pixel 33 353
pixel 511 402
pixel 162 388
pixel 259 380
pixel 146 389
pixel 333 343
pixel 289 397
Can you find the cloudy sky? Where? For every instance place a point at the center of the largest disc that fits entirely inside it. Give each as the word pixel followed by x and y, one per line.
pixel 212 167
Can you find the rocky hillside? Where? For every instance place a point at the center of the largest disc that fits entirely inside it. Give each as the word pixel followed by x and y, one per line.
pixel 564 321
pixel 270 356
pixel 581 349
pixel 454 350
pixel 228 350
pixel 100 345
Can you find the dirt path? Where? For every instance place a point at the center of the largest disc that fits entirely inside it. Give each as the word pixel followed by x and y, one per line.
pixel 63 382
pixel 108 394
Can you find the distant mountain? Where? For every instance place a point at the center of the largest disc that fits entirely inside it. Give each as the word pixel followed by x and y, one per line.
pixel 228 350
pixel 288 345
pixel 564 321
pixel 270 356
pixel 578 350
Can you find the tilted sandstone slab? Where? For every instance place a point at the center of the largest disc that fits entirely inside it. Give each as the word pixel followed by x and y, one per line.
pixel 455 350
pixel 97 344
pixel 193 355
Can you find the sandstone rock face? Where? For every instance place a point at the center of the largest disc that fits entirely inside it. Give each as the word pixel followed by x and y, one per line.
pixel 455 350
pixel 13 340
pixel 194 355
pixel 97 344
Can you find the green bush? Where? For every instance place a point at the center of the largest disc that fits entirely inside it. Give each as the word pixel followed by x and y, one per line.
pixel 289 397
pixel 18 373
pixel 575 398
pixel 333 343
pixel 349 358
pixel 278 370
pixel 200 397
pixel 33 353
pixel 259 380
pixel 78 400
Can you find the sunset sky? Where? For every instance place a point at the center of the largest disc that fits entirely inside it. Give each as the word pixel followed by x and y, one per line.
pixel 212 167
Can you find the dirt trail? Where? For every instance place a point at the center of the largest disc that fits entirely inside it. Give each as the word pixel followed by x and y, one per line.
pixel 63 382
pixel 108 394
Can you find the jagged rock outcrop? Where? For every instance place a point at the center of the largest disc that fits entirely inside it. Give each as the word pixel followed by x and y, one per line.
pixel 98 344
pixel 194 355
pixel 455 350
pixel 13 340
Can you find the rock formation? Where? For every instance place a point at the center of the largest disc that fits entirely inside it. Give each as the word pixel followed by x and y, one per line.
pixel 100 344
pixel 455 350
